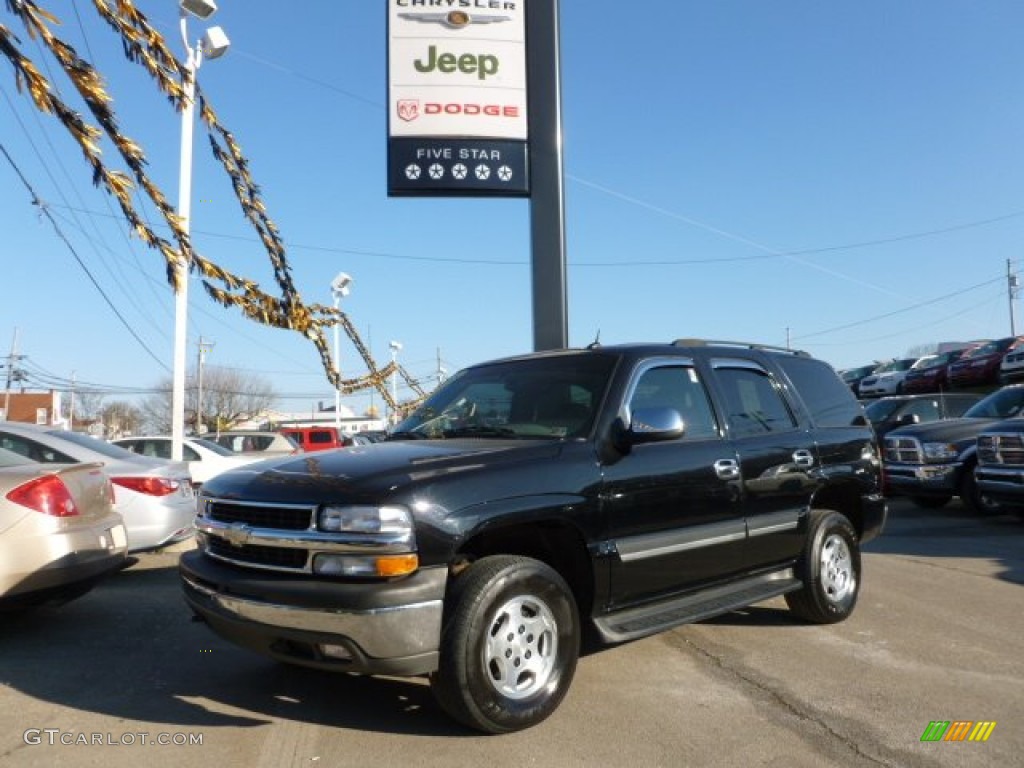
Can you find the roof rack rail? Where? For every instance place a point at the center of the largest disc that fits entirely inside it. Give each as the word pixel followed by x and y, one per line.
pixel 741 344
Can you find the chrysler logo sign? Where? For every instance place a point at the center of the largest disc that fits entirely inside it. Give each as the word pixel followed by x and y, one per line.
pixel 453 19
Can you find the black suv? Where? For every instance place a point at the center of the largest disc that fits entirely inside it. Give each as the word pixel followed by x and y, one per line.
pixel 617 491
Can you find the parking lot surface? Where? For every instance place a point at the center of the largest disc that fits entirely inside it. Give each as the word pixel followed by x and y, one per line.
pixel 123 677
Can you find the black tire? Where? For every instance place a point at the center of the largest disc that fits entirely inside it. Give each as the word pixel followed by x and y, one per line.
pixel 971 496
pixel 930 502
pixel 829 568
pixel 509 644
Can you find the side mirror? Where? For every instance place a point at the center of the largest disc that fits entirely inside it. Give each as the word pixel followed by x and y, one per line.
pixel 653 425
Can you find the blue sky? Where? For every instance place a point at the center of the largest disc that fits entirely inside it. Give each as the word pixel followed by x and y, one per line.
pixel 847 176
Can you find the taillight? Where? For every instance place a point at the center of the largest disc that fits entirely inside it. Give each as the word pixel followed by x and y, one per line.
pixel 46 494
pixel 151 486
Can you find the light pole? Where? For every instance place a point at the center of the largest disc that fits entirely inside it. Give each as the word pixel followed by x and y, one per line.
pixel 395 348
pixel 213 44
pixel 340 287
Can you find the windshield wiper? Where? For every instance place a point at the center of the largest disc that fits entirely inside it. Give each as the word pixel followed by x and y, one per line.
pixel 407 436
pixel 480 430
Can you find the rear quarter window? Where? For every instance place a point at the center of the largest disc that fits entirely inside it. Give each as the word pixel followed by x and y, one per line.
pixel 829 400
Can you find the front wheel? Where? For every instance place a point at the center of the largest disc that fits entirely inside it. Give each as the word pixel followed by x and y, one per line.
pixel 972 497
pixel 829 568
pixel 509 644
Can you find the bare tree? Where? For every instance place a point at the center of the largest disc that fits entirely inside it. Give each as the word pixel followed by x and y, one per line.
pixel 229 396
pixel 87 406
pixel 121 418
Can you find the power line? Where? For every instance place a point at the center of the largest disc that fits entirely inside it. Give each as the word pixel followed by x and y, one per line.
pixel 56 227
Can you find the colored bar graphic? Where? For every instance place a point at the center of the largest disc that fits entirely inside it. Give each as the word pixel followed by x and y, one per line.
pixel 982 731
pixel 935 731
pixel 958 730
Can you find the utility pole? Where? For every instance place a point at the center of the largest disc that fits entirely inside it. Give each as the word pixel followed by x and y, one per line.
pixel 204 347
pixel 11 358
pixel 71 405
pixel 1011 291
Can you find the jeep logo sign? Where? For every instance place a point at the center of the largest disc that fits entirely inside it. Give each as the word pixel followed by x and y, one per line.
pixel 457 88
pixel 481 64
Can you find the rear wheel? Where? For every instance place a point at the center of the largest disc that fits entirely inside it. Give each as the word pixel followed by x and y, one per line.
pixel 509 644
pixel 829 569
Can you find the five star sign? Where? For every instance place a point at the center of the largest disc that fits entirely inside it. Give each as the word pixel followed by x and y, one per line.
pixel 460 172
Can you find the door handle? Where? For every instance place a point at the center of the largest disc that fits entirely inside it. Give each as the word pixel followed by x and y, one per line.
pixel 727 469
pixel 803 458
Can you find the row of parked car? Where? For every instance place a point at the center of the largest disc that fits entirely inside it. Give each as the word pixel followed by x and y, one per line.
pixel 937 447
pixel 73 508
pixel 980 364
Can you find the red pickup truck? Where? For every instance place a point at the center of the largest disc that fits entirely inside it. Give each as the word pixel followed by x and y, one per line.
pixel 317 438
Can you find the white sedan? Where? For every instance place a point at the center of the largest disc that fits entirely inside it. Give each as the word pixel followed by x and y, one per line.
pixel 204 457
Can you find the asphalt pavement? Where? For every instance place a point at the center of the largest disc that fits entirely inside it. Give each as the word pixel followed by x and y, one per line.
pixel 124 677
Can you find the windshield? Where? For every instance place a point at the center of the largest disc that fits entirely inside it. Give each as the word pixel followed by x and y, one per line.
pixel 220 450
pixel 94 444
pixel 546 397
pixel 1004 404
pixel 880 410
pixel 989 348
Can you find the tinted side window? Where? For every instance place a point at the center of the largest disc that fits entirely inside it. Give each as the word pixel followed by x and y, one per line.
pixel 34 451
pixel 754 405
pixel 320 438
pixel 677 387
pixel 828 399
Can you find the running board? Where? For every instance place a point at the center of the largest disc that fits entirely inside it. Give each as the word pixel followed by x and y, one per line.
pixel 632 623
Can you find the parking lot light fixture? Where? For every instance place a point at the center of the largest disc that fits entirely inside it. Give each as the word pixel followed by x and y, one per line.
pixel 395 349
pixel 213 44
pixel 340 287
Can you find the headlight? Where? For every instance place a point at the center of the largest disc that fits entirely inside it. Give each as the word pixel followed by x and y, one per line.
pixel 394 521
pixel 368 566
pixel 939 451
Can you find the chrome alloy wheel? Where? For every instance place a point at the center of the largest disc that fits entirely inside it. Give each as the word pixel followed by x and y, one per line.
pixel 521 647
pixel 838 577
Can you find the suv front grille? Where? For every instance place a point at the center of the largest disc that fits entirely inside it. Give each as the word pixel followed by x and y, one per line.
pixel 281 516
pixel 266 557
pixel 1006 449
pixel 903 450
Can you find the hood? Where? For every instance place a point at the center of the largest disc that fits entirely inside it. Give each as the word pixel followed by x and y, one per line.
pixel 947 430
pixel 1008 426
pixel 371 472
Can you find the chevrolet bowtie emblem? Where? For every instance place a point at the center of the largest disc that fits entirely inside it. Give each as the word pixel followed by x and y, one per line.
pixel 453 19
pixel 237 534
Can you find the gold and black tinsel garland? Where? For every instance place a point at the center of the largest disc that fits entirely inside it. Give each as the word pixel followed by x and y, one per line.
pixel 145 46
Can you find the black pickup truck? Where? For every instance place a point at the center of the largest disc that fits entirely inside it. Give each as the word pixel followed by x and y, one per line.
pixel 611 492
pixel 1000 470
pixel 931 463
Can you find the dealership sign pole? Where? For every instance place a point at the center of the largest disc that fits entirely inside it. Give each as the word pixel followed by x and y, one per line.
pixel 473 111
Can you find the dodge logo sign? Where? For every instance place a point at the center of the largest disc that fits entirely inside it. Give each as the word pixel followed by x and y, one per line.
pixel 408 109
